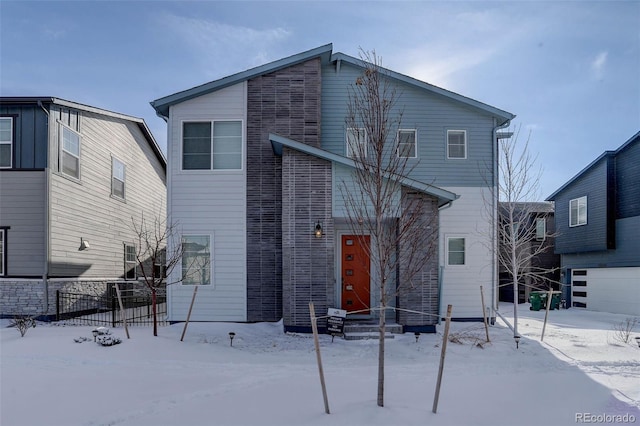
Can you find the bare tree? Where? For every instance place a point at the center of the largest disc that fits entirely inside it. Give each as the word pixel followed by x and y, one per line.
pixel 154 259
pixel 518 235
pixel 392 220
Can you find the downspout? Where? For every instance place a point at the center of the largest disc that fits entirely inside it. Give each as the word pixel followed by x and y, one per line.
pixel 494 209
pixel 47 215
pixel 441 271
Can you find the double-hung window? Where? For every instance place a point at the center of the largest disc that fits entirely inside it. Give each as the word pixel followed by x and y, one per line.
pixel 6 142
pixel 3 252
pixel 456 144
pixel 69 152
pixel 212 145
pixel 356 139
pixel 118 175
pixel 196 259
pixel 455 251
pixel 578 211
pixel 407 144
pixel 130 262
pixel 541 228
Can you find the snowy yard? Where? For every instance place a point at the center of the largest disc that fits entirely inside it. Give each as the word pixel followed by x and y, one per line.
pixel 269 378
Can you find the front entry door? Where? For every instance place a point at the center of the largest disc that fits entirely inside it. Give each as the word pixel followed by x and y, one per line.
pixel 356 282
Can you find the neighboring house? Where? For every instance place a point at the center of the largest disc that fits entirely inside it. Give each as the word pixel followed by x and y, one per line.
pixel 255 163
pixel 72 178
pixel 539 220
pixel 598 223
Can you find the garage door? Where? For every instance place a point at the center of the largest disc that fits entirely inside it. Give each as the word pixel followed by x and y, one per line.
pixel 615 290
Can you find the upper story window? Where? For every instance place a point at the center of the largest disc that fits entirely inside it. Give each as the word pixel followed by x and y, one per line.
pixel 212 145
pixel 407 142
pixel 455 251
pixel 356 139
pixel 6 142
pixel 118 174
pixel 456 144
pixel 130 262
pixel 541 228
pixel 69 152
pixel 578 211
pixel 3 252
pixel 196 259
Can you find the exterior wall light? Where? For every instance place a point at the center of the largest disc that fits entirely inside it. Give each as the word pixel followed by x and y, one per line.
pixel 84 244
pixel 517 339
pixel 318 230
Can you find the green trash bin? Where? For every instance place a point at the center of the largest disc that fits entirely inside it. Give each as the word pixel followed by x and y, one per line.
pixel 536 300
pixel 555 301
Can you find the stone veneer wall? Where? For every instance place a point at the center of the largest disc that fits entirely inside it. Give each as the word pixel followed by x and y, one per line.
pixel 286 102
pixel 308 262
pixel 28 297
pixel 423 297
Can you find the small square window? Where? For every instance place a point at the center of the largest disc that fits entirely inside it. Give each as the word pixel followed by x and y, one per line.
pixel 407 144
pixel 456 144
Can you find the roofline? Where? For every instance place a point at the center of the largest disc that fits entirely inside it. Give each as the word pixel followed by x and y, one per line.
pixel 593 163
pixel 162 105
pixel 277 142
pixel 26 100
pixel 504 115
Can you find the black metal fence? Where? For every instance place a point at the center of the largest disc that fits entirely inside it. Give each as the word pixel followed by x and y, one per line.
pixel 104 309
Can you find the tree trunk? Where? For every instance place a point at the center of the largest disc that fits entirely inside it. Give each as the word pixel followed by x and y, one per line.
pixel 155 316
pixel 382 329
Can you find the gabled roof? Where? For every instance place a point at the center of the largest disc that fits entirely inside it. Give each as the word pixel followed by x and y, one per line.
pixel 277 142
pixel 324 52
pixel 162 105
pixel 634 139
pixel 40 100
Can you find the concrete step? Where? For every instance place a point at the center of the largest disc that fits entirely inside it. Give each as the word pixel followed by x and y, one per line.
pixel 362 331
pixel 366 336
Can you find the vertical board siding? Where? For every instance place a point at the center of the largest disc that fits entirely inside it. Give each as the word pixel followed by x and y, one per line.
pixel 468 218
pixel 628 181
pixel 308 261
pixel 209 202
pixel 86 209
pixel 22 208
pixel 285 102
pixel 431 115
pixel 30 135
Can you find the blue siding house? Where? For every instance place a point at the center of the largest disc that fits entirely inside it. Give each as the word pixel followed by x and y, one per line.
pixel 598 223
pixel 255 164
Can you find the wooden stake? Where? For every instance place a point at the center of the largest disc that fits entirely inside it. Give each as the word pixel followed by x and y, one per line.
pixel 186 323
pixel 314 327
pixel 445 338
pixel 484 315
pixel 546 314
pixel 123 316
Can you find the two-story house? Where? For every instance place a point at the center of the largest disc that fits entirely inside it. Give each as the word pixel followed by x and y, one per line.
pixel 255 161
pixel 72 179
pixel 539 265
pixel 598 223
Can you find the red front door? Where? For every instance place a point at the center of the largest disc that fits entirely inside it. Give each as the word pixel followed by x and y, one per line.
pixel 356 282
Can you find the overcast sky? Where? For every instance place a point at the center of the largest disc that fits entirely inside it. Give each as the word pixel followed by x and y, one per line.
pixel 569 70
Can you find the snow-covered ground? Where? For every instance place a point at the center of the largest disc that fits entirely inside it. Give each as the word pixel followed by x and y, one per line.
pixel 580 372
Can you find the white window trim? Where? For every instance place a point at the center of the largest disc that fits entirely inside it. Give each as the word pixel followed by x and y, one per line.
pixel 61 150
pixel 415 142
pixel 182 170
pixel 466 251
pixel 466 144
pixel 578 200
pixel 128 262
pixel 211 259
pixel 124 180
pixel 9 142
pixel 347 149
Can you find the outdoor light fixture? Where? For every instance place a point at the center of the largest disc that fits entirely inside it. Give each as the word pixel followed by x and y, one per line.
pixel 417 334
pixel 318 230
pixel 638 341
pixel 231 336
pixel 84 244
pixel 517 339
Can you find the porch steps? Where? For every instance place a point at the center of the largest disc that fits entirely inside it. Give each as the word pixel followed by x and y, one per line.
pixel 363 331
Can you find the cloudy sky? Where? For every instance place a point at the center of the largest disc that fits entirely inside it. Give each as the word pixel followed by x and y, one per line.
pixel 569 70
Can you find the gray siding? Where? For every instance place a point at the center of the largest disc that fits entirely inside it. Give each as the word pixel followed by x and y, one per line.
pixel 86 209
pixel 628 180
pixel 22 209
pixel 593 235
pixel 431 115
pixel 308 262
pixel 30 132
pixel 286 102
